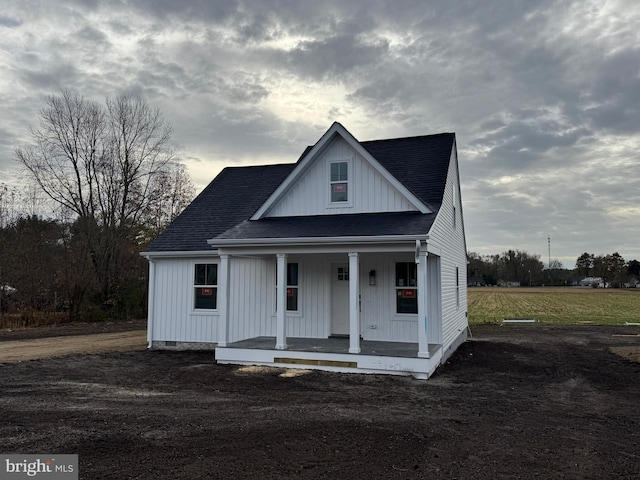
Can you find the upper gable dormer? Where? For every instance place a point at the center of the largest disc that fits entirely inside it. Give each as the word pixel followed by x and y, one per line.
pixel 339 176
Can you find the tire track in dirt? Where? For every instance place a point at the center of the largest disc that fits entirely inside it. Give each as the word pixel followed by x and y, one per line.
pixel 23 350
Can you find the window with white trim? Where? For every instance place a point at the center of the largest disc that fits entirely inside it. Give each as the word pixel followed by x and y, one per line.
pixel 406 287
pixel 205 285
pixel 292 287
pixel 339 182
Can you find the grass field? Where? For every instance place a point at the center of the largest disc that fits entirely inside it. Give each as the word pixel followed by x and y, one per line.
pixel 569 305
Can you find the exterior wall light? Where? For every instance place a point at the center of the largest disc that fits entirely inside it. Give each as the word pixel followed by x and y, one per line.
pixel 372 277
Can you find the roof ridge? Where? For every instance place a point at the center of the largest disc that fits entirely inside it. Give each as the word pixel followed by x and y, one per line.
pixel 235 167
pixel 431 135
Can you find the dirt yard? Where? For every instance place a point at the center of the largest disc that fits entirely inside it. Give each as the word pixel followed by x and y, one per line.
pixel 514 402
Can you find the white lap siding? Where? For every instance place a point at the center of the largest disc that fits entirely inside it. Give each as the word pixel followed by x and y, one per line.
pixel 447 235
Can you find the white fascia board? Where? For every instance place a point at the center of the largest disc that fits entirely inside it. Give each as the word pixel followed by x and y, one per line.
pixel 295 173
pixel 337 128
pixel 405 244
pixel 309 241
pixel 415 201
pixel 453 161
pixel 180 254
pixel 454 157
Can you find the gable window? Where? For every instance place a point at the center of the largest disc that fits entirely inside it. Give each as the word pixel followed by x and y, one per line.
pixel 406 287
pixel 205 286
pixel 292 287
pixel 339 182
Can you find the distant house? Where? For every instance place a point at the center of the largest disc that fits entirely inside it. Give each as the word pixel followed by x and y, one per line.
pixel 591 281
pixel 353 259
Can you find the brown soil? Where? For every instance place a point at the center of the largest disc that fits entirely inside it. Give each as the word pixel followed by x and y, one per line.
pixel 22 350
pixel 514 402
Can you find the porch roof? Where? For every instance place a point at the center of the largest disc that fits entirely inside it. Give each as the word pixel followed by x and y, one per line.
pixel 332 226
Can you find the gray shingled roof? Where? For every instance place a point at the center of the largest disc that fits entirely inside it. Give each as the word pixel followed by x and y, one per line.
pixel 224 207
pixel 233 196
pixel 352 225
pixel 419 163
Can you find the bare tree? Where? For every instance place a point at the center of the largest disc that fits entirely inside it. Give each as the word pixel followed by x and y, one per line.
pixel 171 192
pixel 7 205
pixel 65 152
pixel 139 152
pixel 95 162
pixel 104 164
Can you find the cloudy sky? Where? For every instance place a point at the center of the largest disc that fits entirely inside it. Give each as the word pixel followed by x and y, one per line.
pixel 544 96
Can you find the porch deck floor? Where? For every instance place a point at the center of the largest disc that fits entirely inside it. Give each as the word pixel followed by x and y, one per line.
pixel 335 345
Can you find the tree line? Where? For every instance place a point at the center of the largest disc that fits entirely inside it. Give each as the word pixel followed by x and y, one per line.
pixel 105 180
pixel 612 268
pixel 516 267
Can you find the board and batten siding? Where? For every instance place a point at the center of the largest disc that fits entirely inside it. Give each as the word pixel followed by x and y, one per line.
pixel 369 191
pixel 252 306
pixel 447 234
pixel 253 291
pixel 251 297
pixel 252 294
pixel 378 318
pixel 174 318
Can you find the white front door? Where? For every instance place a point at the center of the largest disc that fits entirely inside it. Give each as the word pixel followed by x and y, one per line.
pixel 339 299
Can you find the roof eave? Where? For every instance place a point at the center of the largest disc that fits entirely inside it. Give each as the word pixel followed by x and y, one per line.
pixel 179 253
pixel 311 241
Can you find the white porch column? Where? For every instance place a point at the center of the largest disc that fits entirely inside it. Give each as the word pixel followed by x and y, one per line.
pixel 423 342
pixel 354 304
pixel 281 301
pixel 223 301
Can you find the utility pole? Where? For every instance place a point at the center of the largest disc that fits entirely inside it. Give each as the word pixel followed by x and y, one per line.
pixel 549 242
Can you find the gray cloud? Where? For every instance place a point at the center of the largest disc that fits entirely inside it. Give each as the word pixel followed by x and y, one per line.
pixel 9 22
pixel 320 60
pixel 525 143
pixel 197 10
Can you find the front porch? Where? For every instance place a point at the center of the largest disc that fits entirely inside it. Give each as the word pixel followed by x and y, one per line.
pixel 332 354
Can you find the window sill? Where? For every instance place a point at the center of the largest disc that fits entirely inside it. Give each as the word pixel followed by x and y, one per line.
pixel 404 317
pixel 296 314
pixel 340 205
